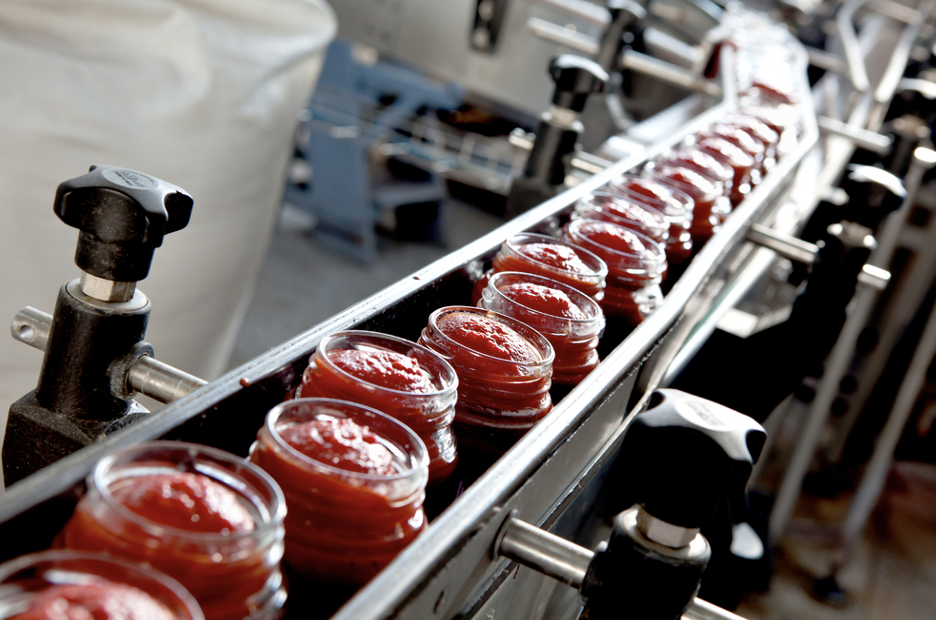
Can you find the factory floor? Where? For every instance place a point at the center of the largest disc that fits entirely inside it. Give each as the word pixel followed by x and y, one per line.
pixel 892 573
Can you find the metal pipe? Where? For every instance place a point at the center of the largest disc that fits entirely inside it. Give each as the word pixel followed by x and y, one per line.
pixel 857 72
pixel 31 326
pixel 648 65
pixel 825 60
pixel 148 376
pixel 160 381
pixel 567 562
pixel 544 552
pixel 784 245
pixel 563 35
pixel 868 140
pixel 703 610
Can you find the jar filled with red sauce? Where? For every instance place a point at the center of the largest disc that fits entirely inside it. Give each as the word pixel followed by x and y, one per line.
pixel 551 258
pixel 756 128
pixel 743 141
pixel 571 321
pixel 711 205
pixel 677 206
pixel 397 377
pixel 703 163
pixel 636 266
pixel 504 371
pixel 75 585
pixel 631 214
pixel 206 518
pixel 740 162
pixel 354 480
pixel 780 119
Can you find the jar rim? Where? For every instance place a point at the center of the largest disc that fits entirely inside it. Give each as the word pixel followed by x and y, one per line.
pixel 276 511
pixel 724 172
pixel 451 381
pixel 597 315
pixel 660 223
pixel 655 255
pixel 599 274
pixel 682 198
pixel 652 169
pixel 539 341
pixel 145 571
pixel 421 453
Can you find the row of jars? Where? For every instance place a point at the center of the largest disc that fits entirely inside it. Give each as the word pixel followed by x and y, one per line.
pixel 376 417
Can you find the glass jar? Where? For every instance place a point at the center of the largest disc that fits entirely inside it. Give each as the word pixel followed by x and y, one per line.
pixel 743 141
pixel 677 206
pixel 344 524
pixel 636 266
pixel 631 214
pixel 740 162
pixel 500 395
pixel 572 326
pixel 703 163
pixel 428 408
pixel 551 258
pixel 73 584
pixel 711 206
pixel 232 574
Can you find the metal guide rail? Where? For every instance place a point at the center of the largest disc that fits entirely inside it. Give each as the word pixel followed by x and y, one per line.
pixel 550 478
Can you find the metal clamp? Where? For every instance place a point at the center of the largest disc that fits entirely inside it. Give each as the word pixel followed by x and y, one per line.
pixel 147 375
pixel 567 562
pixel 784 245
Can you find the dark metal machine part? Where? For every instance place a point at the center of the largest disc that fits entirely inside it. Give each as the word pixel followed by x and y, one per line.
pixel 100 320
pixel 557 132
pixel 547 476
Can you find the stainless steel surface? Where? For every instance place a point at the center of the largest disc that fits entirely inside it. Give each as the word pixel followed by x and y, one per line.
pixel 825 60
pixel 31 326
pixel 544 552
pixel 703 610
pixel 663 533
pixel 148 376
pixel 582 10
pixel 677 76
pixel 868 140
pixel 784 245
pixel 875 473
pixel 106 290
pixel 160 381
pixel 563 35
pixel 875 277
pixel 857 72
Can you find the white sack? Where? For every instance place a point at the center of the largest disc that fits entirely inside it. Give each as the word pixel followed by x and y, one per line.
pixel 201 93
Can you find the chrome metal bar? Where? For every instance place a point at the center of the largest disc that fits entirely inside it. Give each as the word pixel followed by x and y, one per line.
pixel 648 65
pixel 582 10
pixel 875 475
pixel 825 60
pixel 563 36
pixel 703 610
pixel 160 381
pixel 31 326
pixel 148 376
pixel 868 140
pixel 544 552
pixel 857 72
pixel 895 10
pixel 784 245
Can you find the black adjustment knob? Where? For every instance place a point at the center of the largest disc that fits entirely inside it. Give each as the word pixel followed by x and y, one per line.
pixel 873 193
pixel 687 454
pixel 626 15
pixel 122 216
pixel 576 78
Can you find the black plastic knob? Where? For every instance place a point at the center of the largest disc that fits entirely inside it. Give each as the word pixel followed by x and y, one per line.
pixel 576 78
pixel 687 454
pixel 122 216
pixel 626 19
pixel 872 194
